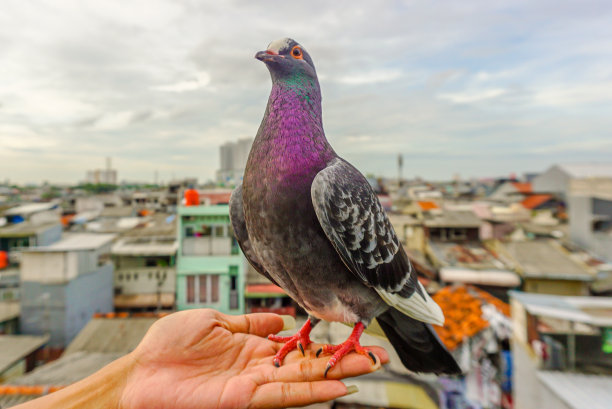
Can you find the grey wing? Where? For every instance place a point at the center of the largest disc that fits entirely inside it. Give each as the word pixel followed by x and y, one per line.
pixel 242 234
pixel 356 224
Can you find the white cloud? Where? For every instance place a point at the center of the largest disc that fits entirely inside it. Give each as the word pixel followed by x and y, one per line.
pixel 470 96
pixel 199 80
pixel 82 80
pixel 371 77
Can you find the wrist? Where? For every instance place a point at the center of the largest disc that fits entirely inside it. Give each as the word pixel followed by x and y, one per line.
pixel 103 389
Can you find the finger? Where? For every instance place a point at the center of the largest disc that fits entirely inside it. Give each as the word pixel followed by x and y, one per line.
pixel 309 369
pixel 380 352
pixel 282 395
pixel 260 324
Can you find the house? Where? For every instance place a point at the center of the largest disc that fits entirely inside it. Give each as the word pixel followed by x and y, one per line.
pixel 556 180
pixel 546 267
pixel 210 267
pixel 145 273
pixel 590 215
pixel 453 225
pixel 560 351
pixel 510 192
pixel 145 265
pixel 64 284
pixel 34 224
pixel 472 263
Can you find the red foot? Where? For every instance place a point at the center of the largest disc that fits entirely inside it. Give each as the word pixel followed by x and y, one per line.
pixel 351 344
pixel 300 340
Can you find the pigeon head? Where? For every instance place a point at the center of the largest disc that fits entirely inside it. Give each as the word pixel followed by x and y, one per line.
pixel 287 59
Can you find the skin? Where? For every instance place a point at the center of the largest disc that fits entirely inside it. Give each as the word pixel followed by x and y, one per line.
pixel 205 359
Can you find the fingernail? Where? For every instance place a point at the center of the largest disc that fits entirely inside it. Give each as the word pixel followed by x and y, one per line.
pixel 351 389
pixel 288 322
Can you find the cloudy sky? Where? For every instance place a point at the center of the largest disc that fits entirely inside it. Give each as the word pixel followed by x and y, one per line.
pixel 474 88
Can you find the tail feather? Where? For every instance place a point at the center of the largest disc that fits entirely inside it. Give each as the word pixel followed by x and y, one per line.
pixel 417 344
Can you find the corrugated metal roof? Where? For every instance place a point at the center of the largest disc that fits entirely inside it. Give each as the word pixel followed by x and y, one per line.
pixel 76 241
pixel 13 348
pixel 589 310
pixel 67 370
pixel 579 391
pixel 118 335
pixel 546 259
pixel 26 228
pixel 483 277
pixel 30 208
pixel 454 218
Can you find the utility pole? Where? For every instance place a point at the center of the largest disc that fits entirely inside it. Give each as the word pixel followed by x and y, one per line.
pixel 400 165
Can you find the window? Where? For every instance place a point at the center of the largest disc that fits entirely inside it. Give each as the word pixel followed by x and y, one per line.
pixel 150 262
pixel 214 288
pixel 206 231
pixel 203 279
pixel 219 231
pixel 190 289
pixel 203 289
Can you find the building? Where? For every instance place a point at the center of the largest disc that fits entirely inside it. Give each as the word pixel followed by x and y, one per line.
pixel 145 273
pixel 233 158
pixel 556 180
pixel 590 215
pixel 561 351
pixel 210 266
pixel 64 284
pixel 35 224
pixel 102 176
pixel 546 267
pixel 510 192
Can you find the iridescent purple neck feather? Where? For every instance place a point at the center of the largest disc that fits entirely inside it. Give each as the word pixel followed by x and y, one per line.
pixel 290 138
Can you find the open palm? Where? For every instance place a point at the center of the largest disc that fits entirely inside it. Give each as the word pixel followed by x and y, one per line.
pixel 205 359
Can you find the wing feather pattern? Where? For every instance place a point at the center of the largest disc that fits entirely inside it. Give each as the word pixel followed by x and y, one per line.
pixel 356 224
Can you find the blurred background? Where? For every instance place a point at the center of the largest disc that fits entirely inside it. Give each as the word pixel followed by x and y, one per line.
pixel 484 128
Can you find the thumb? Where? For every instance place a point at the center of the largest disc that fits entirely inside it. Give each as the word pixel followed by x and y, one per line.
pixel 260 324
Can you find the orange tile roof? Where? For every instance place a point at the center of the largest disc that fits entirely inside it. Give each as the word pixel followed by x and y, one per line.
pixel 534 201
pixel 522 187
pixel 462 309
pixel 428 205
pixel 28 389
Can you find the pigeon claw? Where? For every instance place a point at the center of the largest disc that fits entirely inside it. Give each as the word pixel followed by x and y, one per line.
pixel 340 350
pixel 300 340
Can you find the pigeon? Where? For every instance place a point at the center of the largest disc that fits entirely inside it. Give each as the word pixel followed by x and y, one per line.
pixel 311 223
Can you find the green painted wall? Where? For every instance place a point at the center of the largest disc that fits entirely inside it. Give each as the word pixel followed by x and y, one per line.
pixel 225 265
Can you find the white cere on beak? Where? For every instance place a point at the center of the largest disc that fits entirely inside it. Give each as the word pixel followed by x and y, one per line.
pixel 278 45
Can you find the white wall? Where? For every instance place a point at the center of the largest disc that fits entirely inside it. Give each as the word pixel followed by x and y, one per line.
pixel 44 267
pixel 554 180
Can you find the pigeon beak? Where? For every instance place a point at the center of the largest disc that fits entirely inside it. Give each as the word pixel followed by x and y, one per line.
pixel 268 56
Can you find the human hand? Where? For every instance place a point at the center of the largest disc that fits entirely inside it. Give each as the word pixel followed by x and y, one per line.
pixel 205 359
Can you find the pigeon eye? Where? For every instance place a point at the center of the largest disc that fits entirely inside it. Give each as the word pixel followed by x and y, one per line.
pixel 296 52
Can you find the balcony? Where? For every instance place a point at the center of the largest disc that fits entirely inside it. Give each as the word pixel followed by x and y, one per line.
pixel 208 246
